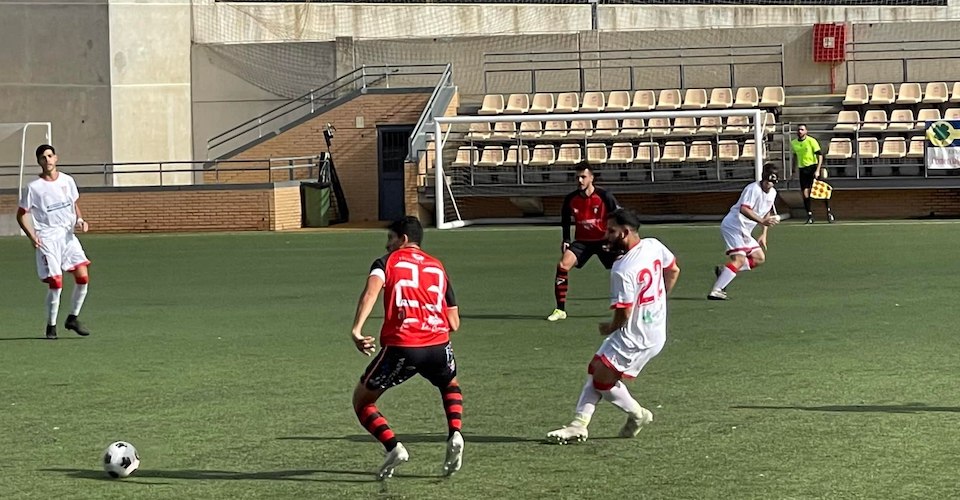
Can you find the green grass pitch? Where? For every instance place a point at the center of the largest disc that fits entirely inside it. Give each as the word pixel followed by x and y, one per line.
pixel 832 372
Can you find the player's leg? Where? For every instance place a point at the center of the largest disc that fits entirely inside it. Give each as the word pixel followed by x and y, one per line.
pixel 806 183
pixel 737 262
pixel 830 217
pixel 48 269
pixel 571 257
pixel 438 365
pixel 738 244
pixel 75 261
pixel 384 371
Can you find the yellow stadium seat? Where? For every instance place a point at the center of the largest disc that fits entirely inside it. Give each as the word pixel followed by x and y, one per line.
pixel 772 97
pixel 593 102
pixel 728 150
pixel 542 103
pixel 874 120
pixel 848 121
pixel 909 93
pixel 894 147
pixel 606 128
pixel 596 153
pixel 543 155
pixel 619 100
pixel 622 152
pixel 479 131
pixel 901 119
pixel 747 97
pixel 955 95
pixel 567 102
pixel 674 152
pixel 917 144
pixel 643 100
pixel 936 93
pixel 710 125
pixel 868 147
pixel 570 154
pixel 737 125
pixel 669 99
pixel 504 131
pixel 631 127
pixel 684 126
pixel 721 98
pixel 856 95
pixel 648 152
pixel 517 104
pixel 694 99
pixel 927 115
pixel 700 151
pixel 883 93
pixel 554 129
pixel 580 129
pixel 492 156
pixel 658 127
pixel 492 105
pixel 531 130
pixel 466 156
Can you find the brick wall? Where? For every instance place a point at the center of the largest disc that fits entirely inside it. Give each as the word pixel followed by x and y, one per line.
pixel 354 148
pixel 285 208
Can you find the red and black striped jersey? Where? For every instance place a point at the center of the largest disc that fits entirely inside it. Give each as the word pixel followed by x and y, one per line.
pixel 589 212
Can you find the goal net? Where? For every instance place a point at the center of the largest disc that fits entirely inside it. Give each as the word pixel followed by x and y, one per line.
pixel 482 163
pixel 17 143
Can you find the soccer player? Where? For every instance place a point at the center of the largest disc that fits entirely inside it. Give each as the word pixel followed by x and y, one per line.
pixel 810 165
pixel 51 202
pixel 639 284
pixel 755 206
pixel 589 207
pixel 420 311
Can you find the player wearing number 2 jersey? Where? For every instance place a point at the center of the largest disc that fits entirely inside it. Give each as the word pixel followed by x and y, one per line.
pixel 420 311
pixel 639 284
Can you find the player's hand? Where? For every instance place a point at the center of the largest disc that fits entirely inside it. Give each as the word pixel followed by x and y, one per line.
pixel 770 220
pixel 37 244
pixel 366 345
pixel 82 225
pixel 604 329
pixel 762 241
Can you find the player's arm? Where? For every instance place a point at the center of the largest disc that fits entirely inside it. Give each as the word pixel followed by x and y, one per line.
pixel 623 292
pixel 452 311
pixel 767 220
pixel 610 201
pixel 368 300
pixel 621 313
pixel 82 224
pixel 26 227
pixel 670 276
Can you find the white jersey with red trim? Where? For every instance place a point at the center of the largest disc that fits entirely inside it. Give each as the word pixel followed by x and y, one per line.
pixel 755 199
pixel 636 280
pixel 52 203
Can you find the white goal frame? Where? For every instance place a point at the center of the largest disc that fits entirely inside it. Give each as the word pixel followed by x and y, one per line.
pixel 440 138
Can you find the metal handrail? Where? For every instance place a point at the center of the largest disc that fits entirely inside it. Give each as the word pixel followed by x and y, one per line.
pixel 425 116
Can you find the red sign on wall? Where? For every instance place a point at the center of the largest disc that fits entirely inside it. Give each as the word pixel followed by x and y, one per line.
pixel 829 42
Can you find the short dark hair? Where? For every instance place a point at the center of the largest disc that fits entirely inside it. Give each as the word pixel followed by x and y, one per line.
pixel 625 217
pixel 583 167
pixel 43 149
pixel 769 169
pixel 408 226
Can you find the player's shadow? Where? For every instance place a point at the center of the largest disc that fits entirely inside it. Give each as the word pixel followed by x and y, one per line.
pixel 222 475
pixel 901 408
pixel 416 438
pixel 535 317
pixel 40 338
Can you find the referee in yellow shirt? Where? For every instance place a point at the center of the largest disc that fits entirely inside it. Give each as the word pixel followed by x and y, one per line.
pixel 809 163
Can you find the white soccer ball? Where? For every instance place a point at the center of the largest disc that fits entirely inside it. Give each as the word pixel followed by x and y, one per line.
pixel 120 459
pixel 776 218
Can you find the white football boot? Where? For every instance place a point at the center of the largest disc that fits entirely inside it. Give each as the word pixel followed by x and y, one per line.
pixel 557 315
pixel 635 423
pixel 393 459
pixel 574 432
pixel 454 454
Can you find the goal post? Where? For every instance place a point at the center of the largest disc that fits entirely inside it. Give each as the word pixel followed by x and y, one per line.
pixel 448 213
pixel 17 141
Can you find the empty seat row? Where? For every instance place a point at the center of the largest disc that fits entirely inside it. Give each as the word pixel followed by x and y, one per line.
pixel 641 100
pixel 876 120
pixel 869 148
pixel 543 155
pixel 631 127
pixel 908 93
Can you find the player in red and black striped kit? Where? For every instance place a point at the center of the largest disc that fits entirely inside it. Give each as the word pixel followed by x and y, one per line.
pixel 588 206
pixel 420 311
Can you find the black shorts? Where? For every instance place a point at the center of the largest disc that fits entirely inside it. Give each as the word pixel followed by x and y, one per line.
pixel 586 249
pixel 395 365
pixel 807 175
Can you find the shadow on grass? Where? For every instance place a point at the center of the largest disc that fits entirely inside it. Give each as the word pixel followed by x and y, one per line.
pixel 416 438
pixel 903 408
pixel 40 338
pixel 222 475
pixel 535 317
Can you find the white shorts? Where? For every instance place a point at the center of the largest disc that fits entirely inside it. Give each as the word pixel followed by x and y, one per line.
pixel 738 240
pixel 624 360
pixel 59 255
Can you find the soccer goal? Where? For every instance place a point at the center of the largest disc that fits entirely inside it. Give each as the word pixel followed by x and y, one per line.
pixel 17 142
pixel 531 155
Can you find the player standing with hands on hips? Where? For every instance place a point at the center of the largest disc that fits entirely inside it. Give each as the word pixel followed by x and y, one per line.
pixel 52 204
pixel 755 207
pixel 420 311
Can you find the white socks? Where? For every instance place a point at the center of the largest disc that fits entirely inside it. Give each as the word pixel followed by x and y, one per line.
pixel 619 395
pixel 726 276
pixel 53 305
pixel 79 294
pixel 621 398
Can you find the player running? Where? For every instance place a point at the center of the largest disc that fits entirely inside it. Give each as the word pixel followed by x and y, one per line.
pixel 420 311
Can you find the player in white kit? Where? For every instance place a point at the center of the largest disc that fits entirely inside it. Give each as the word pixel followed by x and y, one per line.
pixel 51 201
pixel 639 283
pixel 755 207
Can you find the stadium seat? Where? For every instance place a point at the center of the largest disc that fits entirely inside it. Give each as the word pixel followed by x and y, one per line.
pixel 769 123
pixel 772 97
pixel 927 115
pixel 492 156
pixel 554 129
pixel 883 93
pixel 517 104
pixel 750 150
pixel 684 126
pixel 593 102
pixel 694 99
pixel 466 156
pixel 894 147
pixel 710 125
pixel 658 127
pixel 955 95
pixel 542 103
pixel 643 100
pixel 596 153
pixel 492 105
pixel 606 128
pixel 504 130
pixel 513 157
pixel 737 125
pixel 917 145
pixel 631 127
pixel 648 152
pixel 746 98
pixel 874 120
pixel 952 114
pixel 868 148
pixel 669 99
pixel 543 155
pixel 841 148
pixel 856 95
pixel 570 154
pixel 901 119
pixel 728 150
pixel 936 93
pixel 567 102
pixel 700 151
pixel 531 130
pixel 909 93
pixel 580 129
pixel 619 100
pixel 848 120
pixel 621 152
pixel 721 98
pixel 674 152
pixel 479 131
